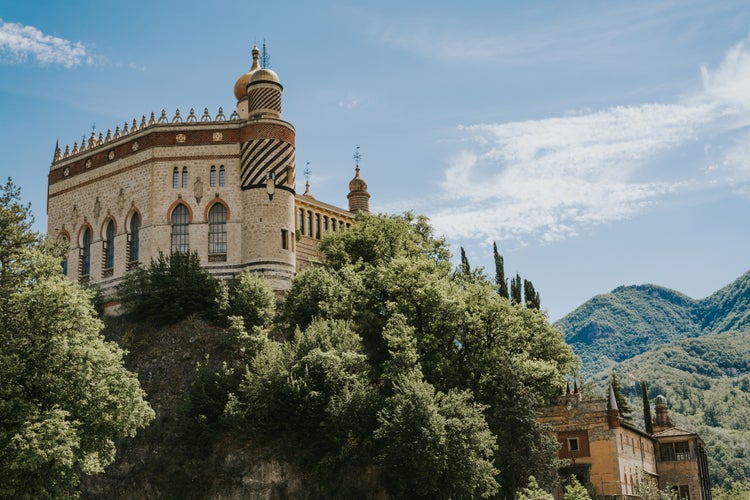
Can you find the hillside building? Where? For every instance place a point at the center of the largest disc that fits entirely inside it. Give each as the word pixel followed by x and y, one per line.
pixel 611 457
pixel 224 187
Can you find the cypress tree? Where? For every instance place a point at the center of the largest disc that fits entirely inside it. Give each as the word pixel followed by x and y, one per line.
pixel 622 402
pixel 532 296
pixel 500 281
pixel 465 267
pixel 516 290
pixel 646 409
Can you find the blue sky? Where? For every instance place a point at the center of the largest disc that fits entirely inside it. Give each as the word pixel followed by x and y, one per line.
pixel 598 143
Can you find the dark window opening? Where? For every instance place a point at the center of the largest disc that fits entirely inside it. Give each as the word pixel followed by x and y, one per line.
pixel 84 256
pixel 108 250
pixel 180 229
pixel 217 230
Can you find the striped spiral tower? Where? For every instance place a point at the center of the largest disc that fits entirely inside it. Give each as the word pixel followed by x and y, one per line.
pixel 267 165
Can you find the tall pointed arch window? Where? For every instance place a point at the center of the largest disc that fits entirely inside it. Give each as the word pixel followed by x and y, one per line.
pixel 180 229
pixel 108 250
pixel 134 240
pixel 212 177
pixel 217 232
pixel 64 238
pixel 84 255
pixel 176 178
pixel 221 175
pixel 184 177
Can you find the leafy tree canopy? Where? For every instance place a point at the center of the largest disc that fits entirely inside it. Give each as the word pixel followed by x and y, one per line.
pixel 435 348
pixel 65 394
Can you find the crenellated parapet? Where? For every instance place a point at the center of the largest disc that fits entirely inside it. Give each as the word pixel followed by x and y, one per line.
pixel 95 142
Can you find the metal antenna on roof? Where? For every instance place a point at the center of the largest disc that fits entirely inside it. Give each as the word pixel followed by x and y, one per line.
pixel 307 172
pixel 265 59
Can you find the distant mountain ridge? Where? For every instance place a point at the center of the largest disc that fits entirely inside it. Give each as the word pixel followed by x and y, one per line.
pixel 630 320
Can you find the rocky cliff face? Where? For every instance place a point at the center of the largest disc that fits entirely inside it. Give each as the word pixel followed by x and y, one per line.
pixel 176 457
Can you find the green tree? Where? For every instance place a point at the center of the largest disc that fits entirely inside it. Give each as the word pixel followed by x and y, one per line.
pixel 465 267
pixel 626 413
pixel 738 491
pixel 437 347
pixel 249 297
pixel 532 296
pixel 434 445
pixel 516 290
pixel 500 281
pixel 647 419
pixel 647 488
pixel 65 395
pixel 575 490
pixel 173 287
pixel 533 491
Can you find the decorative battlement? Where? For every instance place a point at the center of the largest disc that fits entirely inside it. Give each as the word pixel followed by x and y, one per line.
pixel 95 142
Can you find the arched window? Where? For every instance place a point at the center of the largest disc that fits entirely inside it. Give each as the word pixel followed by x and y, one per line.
pixel 64 263
pixel 176 178
pixel 301 223
pixel 212 177
pixel 217 230
pixel 184 177
pixel 325 223
pixel 84 254
pixel 221 175
pixel 333 224
pixel 309 223
pixel 180 225
pixel 134 240
pixel 108 247
pixel 317 226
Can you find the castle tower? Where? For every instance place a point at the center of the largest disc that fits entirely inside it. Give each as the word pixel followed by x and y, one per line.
pixel 267 177
pixel 359 198
pixel 662 420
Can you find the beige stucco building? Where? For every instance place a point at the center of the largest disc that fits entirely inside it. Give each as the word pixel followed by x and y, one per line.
pixel 224 187
pixel 611 456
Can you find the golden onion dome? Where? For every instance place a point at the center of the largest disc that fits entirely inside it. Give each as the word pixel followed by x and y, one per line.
pixel 240 86
pixel 358 184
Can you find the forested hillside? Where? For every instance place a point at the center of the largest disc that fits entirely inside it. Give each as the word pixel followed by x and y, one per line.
pixel 630 320
pixel 707 384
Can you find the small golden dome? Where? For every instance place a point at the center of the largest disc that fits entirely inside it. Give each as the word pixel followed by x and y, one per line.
pixel 240 86
pixel 264 75
pixel 358 184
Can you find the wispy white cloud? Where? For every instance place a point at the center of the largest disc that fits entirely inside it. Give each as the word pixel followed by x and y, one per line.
pixel 19 43
pixel 548 179
pixel 350 103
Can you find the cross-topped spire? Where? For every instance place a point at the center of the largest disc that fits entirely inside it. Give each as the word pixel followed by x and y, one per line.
pixel 307 172
pixel 357 156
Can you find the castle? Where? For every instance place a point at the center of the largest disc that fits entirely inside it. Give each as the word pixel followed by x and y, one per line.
pixel 612 457
pixel 222 187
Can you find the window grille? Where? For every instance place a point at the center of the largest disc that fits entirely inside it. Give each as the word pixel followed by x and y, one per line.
pixel 217 230
pixel 180 229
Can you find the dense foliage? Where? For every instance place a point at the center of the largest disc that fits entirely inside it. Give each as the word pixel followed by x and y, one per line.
pixel 173 287
pixel 65 395
pixel 397 360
